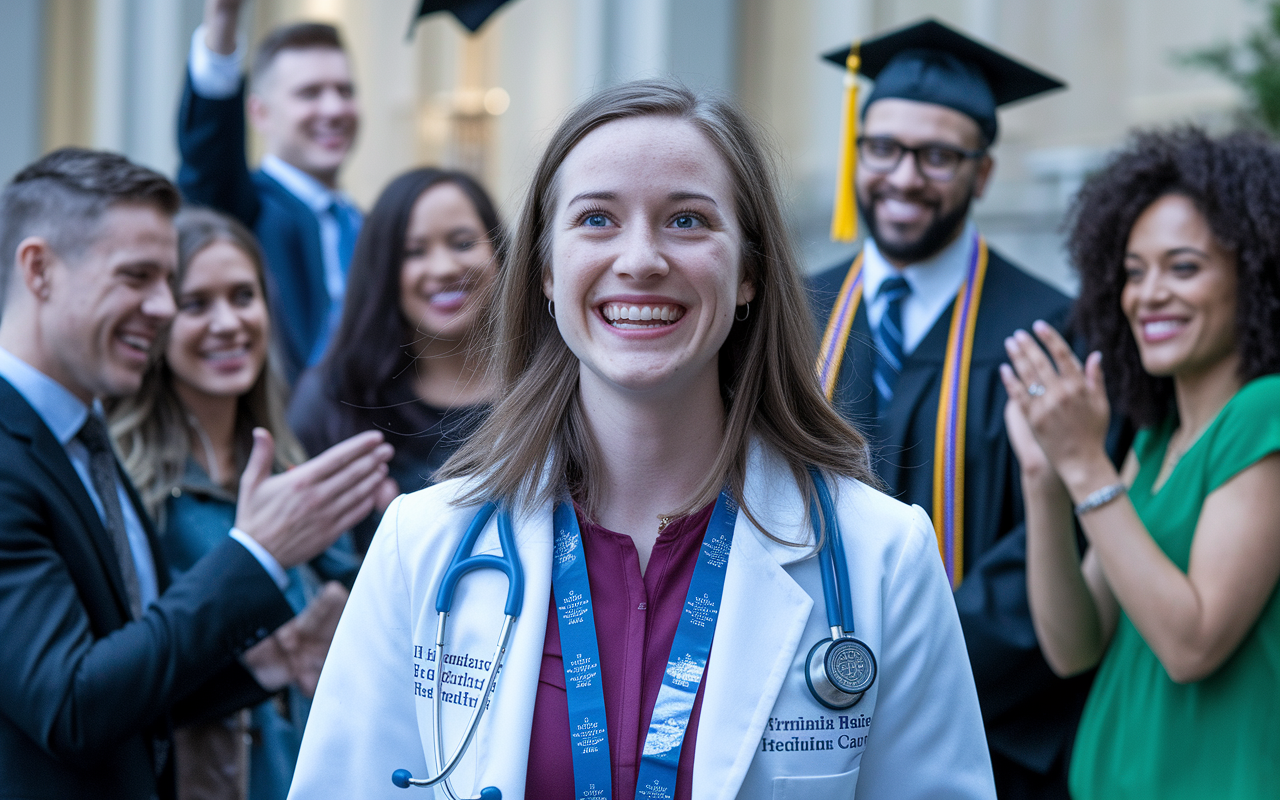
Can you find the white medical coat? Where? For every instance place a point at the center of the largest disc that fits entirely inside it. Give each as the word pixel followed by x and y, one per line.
pixel 917 733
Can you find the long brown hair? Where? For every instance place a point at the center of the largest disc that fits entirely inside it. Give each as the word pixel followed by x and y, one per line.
pixel 536 444
pixel 150 427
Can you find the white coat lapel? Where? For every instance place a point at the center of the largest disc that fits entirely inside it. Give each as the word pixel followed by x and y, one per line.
pixel 762 619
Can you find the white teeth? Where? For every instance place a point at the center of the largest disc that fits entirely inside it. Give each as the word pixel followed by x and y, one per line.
pixel 218 355
pixel 446 298
pixel 615 312
pixel 136 341
pixel 1160 328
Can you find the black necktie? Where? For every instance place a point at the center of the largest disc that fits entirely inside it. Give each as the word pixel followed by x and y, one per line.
pixel 102 470
pixel 889 339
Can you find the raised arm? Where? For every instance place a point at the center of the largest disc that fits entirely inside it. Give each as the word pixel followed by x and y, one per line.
pixel 211 119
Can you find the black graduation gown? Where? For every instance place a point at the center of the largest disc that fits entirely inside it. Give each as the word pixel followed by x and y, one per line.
pixel 1030 715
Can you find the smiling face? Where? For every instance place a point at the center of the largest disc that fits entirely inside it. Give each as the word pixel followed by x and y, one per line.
pixel 912 217
pixel 448 261
pixel 218 342
pixel 645 256
pixel 1180 291
pixel 101 312
pixel 306 110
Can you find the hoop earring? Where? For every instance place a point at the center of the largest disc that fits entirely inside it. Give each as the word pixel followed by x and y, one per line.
pixel 745 314
pixel 551 308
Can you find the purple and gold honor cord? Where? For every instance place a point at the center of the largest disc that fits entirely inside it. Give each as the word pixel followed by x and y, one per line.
pixel 948 459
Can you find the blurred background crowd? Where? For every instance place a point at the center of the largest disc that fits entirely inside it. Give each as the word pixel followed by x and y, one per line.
pixel 108 73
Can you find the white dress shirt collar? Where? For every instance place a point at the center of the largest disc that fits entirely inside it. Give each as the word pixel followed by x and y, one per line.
pixel 934 283
pixel 313 194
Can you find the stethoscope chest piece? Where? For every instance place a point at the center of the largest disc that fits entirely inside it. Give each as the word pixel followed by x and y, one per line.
pixel 840 671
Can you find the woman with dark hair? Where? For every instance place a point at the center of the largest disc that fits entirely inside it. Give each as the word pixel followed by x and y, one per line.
pixel 206 403
pixel 404 359
pixel 1178 247
pixel 659 458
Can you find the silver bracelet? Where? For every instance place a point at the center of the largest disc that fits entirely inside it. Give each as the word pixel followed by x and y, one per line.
pixel 1100 498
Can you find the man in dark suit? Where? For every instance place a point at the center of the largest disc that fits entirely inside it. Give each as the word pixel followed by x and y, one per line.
pixel 102 653
pixel 921 315
pixel 302 101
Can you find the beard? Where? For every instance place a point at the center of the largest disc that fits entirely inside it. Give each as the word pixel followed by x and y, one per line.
pixel 937 235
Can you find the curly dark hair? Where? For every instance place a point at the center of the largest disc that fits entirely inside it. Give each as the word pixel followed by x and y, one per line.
pixel 1234 181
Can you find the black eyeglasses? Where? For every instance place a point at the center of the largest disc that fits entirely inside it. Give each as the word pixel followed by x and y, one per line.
pixel 936 162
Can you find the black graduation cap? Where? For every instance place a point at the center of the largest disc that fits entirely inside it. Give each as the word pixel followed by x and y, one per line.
pixel 932 63
pixel 471 13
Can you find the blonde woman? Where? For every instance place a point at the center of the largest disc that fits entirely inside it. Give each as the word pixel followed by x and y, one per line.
pixel 185 438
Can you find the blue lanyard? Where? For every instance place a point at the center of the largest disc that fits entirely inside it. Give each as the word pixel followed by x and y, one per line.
pixel 592 772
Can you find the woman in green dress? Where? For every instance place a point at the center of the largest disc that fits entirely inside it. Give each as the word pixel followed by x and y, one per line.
pixel 1178 247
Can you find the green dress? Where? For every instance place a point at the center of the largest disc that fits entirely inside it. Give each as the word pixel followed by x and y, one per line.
pixel 1144 736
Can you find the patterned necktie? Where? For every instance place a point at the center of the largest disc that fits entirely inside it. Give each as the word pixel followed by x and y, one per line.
pixel 348 230
pixel 102 471
pixel 888 337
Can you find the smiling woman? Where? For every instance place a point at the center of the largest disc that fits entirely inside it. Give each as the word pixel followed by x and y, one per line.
pixel 185 437
pixel 406 358
pixel 1175 600
pixel 658 453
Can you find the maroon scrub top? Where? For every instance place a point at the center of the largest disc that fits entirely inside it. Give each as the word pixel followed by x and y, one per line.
pixel 636 618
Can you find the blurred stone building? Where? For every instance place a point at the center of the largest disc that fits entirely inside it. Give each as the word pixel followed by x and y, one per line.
pixel 107 73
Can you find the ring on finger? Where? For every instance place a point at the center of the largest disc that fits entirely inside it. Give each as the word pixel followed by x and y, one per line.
pixel 1036 389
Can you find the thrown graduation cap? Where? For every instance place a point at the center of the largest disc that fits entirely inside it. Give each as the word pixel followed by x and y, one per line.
pixel 471 13
pixel 930 63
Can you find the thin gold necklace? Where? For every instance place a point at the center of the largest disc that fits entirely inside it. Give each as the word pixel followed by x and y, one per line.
pixel 1172 455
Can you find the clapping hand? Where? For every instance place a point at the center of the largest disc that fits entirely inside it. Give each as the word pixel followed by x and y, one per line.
pixel 297 514
pixel 1058 411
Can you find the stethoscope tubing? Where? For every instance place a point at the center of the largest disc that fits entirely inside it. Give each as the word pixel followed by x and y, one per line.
pixel 836 586
pixel 836 590
pixel 445 768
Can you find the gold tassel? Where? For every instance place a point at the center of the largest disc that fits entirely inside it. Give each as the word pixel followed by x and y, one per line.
pixel 844 217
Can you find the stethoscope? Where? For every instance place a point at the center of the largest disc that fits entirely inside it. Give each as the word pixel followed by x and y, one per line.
pixel 463 562
pixel 839 670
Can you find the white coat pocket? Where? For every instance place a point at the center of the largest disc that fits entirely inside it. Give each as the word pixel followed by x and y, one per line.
pixel 809 787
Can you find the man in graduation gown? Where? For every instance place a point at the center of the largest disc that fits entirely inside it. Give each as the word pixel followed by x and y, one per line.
pixel 894 354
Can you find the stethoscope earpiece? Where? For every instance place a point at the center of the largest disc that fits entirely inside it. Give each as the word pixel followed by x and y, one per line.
pixel 404 779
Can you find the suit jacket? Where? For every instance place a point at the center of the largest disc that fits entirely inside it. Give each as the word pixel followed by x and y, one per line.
pixel 214 173
pixel 1030 715
pixel 87 695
